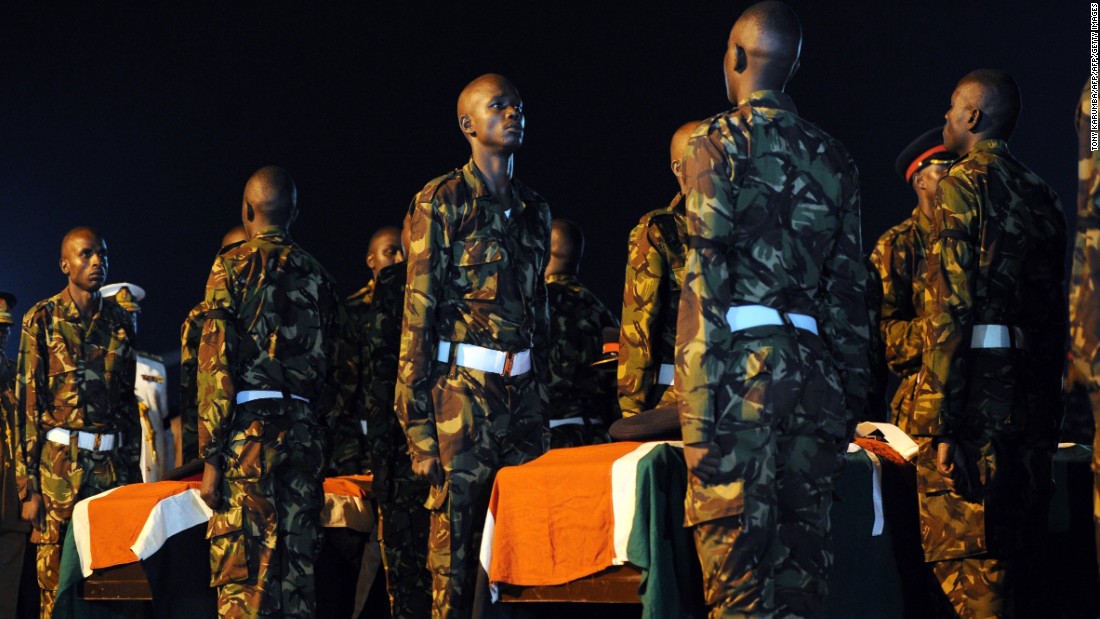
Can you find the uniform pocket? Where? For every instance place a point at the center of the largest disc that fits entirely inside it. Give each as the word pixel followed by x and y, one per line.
pixel 246 456
pixel 746 463
pixel 228 551
pixel 479 262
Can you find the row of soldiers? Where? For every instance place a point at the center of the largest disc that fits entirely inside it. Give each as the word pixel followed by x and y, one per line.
pixel 744 310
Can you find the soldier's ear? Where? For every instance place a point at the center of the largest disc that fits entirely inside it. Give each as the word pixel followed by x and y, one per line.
pixel 974 117
pixel 249 212
pixel 466 125
pixel 742 59
pixel 677 167
pixel 64 264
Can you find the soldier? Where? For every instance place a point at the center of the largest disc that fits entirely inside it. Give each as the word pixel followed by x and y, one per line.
pixel 475 331
pixel 186 425
pixel 899 264
pixel 581 408
pixel 152 392
pixel 771 361
pixel 347 451
pixel 400 494
pixel 1082 381
pixel 267 336
pixel 651 297
pixel 13 530
pixel 75 388
pixel 996 315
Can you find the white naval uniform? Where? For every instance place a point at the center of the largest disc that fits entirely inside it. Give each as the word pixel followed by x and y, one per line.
pixel 157 455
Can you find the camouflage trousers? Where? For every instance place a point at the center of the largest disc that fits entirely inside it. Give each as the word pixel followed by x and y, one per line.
pixel 974 586
pixel 576 435
pixel 404 535
pixel 762 523
pixel 483 422
pixel 266 536
pixel 901 405
pixel 68 475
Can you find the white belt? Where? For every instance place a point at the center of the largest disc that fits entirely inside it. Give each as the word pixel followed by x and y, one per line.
pixel 666 374
pixel 250 395
pixel 741 317
pixel 363 426
pixel 994 336
pixel 85 440
pixel 486 359
pixel 573 421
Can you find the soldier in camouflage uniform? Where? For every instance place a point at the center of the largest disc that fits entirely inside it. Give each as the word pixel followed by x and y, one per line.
pixel 267 338
pixel 771 343
pixel 581 406
pixel 13 530
pixel 651 297
pixel 1082 381
pixel 995 315
pixel 474 336
pixel 899 265
pixel 187 429
pixel 75 388
pixel 400 494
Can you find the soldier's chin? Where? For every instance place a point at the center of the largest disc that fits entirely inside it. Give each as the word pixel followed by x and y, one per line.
pixel 93 285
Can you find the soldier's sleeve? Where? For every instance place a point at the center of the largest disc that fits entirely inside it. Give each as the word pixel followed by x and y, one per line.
pixel 190 332
pixel 1084 293
pixel 949 289
pixel 30 382
pixel 844 313
pixel 380 354
pixel 338 400
pixel 542 313
pixel 901 333
pixel 129 416
pixel 428 260
pixel 875 407
pixel 216 391
pixel 645 269
pixel 701 329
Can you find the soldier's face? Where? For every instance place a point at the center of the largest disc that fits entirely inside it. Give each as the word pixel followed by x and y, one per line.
pixel 84 261
pixel 955 126
pixel 496 117
pixel 385 251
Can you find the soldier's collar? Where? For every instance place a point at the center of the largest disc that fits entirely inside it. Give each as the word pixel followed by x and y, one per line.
pixel 776 99
pixel 560 277
pixel 480 189
pixel 678 204
pixel 272 232
pixel 71 311
pixel 990 144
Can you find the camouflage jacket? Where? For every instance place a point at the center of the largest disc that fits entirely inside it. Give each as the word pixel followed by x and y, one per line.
pixel 190 335
pixel 874 409
pixel 475 276
pixel 7 412
pixel 773 219
pixel 379 371
pixel 651 300
pixel 997 257
pixel 270 324
pixel 1083 369
pixel 577 321
pixel 76 376
pixel 340 405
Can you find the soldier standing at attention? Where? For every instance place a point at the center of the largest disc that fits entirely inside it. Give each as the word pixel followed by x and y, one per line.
pixel 13 530
pixel 581 408
pixel 771 344
pixel 651 297
pixel 187 428
pixel 400 494
pixel 266 342
pixel 899 263
pixel 75 387
pixel 996 314
pixel 474 338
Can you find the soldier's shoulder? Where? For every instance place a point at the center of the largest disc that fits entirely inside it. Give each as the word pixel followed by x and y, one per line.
pixel 902 230
pixel 115 312
pixel 528 195
pixel 358 298
pixel 655 216
pixel 41 310
pixel 449 188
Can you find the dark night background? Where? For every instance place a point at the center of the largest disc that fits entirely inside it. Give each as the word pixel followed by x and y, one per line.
pixel 145 123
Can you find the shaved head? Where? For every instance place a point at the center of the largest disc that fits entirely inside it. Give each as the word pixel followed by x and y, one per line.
pixel 272 197
pixel 764 45
pixel 83 260
pixel 235 235
pixel 997 95
pixel 566 247
pixel 485 85
pixel 677 151
pixel 384 249
pixel 82 232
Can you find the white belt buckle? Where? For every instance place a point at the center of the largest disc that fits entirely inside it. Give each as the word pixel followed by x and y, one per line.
pixel 991 336
pixel 363 426
pixel 666 375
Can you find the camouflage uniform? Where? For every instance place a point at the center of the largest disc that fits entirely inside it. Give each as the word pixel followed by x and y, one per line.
pixel 651 300
pixel 1082 381
pixel 269 325
pixel 899 261
pixel 342 403
pixel 74 376
pixel 773 220
pixel 996 259
pixel 577 321
pixel 875 409
pixel 190 336
pixel 13 530
pixel 475 276
pixel 400 494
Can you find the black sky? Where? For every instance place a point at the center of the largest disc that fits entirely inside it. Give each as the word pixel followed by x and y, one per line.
pixel 145 122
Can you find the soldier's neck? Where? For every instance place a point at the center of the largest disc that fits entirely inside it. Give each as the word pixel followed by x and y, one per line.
pixel 496 169
pixel 86 301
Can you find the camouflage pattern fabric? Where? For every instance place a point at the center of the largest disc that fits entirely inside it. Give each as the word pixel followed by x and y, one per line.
pixel 474 276
pixel 266 537
pixel 875 408
pixel 78 377
pixel 899 261
pixel 773 219
pixel 996 258
pixel 13 530
pixel 269 325
pixel 969 585
pixel 651 300
pixel 576 389
pixel 1082 381
pixel 190 336
pixel 404 522
pixel 341 404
